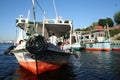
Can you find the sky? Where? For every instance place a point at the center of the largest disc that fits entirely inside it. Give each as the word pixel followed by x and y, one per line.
pixel 82 12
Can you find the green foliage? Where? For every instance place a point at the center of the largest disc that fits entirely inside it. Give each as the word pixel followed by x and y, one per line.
pixel 95 24
pixel 109 22
pixel 114 31
pixel 105 22
pixel 117 17
pixel 77 29
pixel 102 22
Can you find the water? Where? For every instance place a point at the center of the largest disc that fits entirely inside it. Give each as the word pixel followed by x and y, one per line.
pixel 86 65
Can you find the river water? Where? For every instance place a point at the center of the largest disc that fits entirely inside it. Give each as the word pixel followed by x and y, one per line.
pixel 86 65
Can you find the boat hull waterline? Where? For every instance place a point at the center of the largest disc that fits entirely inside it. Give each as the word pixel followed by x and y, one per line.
pixel 98 46
pixel 44 64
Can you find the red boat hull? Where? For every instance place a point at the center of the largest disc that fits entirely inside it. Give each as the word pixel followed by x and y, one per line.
pixel 42 66
pixel 116 49
pixel 98 49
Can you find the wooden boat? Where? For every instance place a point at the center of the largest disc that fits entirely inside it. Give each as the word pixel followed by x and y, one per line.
pixel 33 52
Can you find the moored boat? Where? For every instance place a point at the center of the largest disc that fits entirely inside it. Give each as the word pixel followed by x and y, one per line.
pixel 33 50
pixel 76 41
pixel 96 40
pixel 99 40
pixel 115 45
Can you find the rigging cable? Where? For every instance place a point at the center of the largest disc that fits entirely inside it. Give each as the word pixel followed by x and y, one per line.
pixel 55 8
pixel 43 12
pixel 34 16
pixel 39 6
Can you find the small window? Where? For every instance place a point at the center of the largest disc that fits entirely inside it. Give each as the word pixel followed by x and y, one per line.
pixel 66 22
pixel 60 21
pixel 81 37
pixel 92 35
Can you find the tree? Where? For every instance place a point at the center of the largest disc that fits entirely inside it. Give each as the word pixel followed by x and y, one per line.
pixel 102 22
pixel 94 25
pixel 117 17
pixel 77 29
pixel 109 22
pixel 105 22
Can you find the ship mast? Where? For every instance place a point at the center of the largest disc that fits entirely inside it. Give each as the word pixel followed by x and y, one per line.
pixel 108 31
pixel 35 32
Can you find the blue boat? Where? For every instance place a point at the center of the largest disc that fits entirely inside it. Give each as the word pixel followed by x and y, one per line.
pixel 115 45
pixel 99 40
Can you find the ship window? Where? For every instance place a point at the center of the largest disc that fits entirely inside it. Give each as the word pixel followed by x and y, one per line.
pixel 73 39
pixel 112 44
pixel 92 35
pixel 81 37
pixel 66 22
pixel 117 43
pixel 99 34
pixel 87 37
pixel 60 21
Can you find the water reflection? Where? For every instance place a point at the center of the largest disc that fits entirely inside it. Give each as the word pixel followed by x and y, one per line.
pixel 96 65
pixel 115 63
pixel 59 74
pixel 85 65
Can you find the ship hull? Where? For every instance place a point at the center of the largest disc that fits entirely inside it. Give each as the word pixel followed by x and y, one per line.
pixel 115 45
pixel 76 47
pixel 42 66
pixel 98 46
pixel 50 61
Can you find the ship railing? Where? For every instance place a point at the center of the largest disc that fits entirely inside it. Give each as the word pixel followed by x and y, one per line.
pixel 22 20
pixel 46 21
pixel 54 21
pixel 90 40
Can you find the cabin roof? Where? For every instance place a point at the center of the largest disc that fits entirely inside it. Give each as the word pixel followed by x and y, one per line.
pixel 58 29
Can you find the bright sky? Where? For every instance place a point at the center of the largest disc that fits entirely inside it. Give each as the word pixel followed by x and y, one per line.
pixel 82 12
